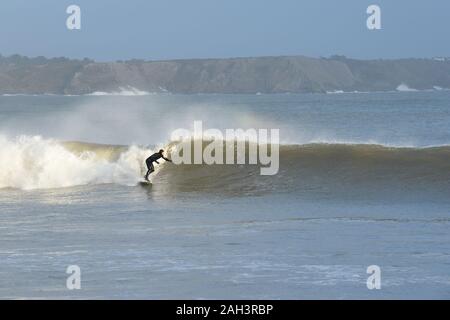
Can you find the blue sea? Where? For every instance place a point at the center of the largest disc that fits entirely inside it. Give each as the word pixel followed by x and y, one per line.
pixel 364 180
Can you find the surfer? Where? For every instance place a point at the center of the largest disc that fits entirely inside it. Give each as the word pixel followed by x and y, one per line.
pixel 154 158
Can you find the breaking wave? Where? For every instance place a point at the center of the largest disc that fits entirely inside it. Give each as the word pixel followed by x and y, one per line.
pixel 123 91
pixel 36 163
pixel 405 88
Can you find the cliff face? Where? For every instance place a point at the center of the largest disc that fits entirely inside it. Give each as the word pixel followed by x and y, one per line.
pixel 241 75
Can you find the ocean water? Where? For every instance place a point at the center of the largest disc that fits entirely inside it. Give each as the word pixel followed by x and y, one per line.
pixel 364 180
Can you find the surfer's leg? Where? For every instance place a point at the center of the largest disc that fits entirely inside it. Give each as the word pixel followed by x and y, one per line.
pixel 149 165
pixel 150 169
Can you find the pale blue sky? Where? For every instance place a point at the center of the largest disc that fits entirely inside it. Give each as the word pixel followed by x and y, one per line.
pixel 178 29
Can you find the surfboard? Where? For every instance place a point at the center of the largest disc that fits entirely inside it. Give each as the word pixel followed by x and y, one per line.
pixel 145 183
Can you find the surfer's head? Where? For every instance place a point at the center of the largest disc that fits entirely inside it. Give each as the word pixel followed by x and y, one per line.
pixel 161 151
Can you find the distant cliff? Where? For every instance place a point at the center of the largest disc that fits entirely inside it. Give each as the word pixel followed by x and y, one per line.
pixel 22 75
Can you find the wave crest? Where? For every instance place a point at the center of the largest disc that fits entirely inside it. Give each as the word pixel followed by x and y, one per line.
pixel 37 163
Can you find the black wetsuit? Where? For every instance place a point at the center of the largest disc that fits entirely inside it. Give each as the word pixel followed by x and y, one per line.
pixel 153 158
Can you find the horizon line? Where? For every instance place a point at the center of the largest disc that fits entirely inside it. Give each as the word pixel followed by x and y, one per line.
pixel 331 57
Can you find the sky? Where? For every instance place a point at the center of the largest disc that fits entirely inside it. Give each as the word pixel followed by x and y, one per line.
pixel 183 29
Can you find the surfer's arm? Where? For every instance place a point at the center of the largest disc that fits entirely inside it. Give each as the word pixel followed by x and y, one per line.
pixel 167 159
pixel 157 161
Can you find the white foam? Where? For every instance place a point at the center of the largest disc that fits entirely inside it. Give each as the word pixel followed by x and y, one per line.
pixel 35 163
pixel 404 88
pixel 335 92
pixel 123 91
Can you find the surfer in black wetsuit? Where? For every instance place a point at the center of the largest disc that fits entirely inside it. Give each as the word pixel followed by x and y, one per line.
pixel 154 158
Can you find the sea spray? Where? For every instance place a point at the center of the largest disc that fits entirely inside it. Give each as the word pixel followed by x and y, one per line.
pixel 36 163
